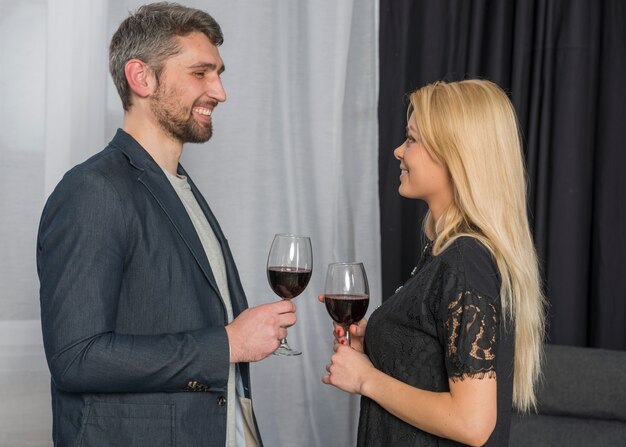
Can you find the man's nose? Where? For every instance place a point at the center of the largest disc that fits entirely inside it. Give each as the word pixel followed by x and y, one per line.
pixel 216 90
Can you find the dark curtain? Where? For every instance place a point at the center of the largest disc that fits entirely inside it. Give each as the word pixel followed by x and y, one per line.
pixel 563 62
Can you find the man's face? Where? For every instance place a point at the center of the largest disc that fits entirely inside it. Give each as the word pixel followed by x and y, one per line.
pixel 189 89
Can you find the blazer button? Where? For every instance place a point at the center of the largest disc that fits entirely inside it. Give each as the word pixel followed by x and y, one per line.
pixel 221 401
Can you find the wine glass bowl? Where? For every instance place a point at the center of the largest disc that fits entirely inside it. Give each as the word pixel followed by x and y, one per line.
pixel 289 268
pixel 288 282
pixel 346 294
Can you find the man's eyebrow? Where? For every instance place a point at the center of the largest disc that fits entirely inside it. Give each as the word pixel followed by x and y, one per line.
pixel 208 66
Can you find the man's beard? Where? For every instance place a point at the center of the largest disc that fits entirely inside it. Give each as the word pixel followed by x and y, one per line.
pixel 176 120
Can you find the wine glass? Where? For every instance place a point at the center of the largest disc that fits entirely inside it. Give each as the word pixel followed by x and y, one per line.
pixel 289 267
pixel 346 294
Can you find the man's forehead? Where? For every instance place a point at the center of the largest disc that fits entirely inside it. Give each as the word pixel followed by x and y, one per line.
pixel 197 51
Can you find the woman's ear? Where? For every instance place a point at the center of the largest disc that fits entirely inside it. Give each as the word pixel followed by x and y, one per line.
pixel 140 78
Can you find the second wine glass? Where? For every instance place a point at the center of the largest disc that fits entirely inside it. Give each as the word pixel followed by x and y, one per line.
pixel 346 294
pixel 289 267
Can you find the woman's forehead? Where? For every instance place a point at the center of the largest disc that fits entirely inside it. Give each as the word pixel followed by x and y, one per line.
pixel 411 125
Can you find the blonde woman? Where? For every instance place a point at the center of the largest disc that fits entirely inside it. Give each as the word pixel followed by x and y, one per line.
pixel 444 360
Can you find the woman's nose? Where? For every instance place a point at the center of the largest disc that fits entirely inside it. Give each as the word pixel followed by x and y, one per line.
pixel 399 152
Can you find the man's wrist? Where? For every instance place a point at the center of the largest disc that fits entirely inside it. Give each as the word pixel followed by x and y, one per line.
pixel 228 329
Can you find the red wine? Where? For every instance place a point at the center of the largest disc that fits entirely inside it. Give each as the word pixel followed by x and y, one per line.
pixel 346 309
pixel 288 282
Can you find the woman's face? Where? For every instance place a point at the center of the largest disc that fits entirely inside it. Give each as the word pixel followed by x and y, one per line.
pixel 422 177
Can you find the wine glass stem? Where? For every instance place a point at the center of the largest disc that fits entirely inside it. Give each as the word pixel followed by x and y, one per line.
pixel 347 331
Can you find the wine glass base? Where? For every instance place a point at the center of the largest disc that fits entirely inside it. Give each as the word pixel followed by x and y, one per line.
pixel 285 350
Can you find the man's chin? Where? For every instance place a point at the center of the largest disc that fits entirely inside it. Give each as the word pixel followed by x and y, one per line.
pixel 197 135
pixel 199 138
pixel 197 141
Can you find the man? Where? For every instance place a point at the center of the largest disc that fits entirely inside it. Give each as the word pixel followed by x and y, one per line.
pixel 145 324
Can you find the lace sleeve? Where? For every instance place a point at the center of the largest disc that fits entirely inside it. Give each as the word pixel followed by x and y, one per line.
pixel 470 331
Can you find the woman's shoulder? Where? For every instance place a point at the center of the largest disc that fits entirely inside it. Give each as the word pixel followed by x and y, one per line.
pixel 465 249
pixel 474 263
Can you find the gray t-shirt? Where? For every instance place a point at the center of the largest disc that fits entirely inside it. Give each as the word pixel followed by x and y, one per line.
pixel 234 423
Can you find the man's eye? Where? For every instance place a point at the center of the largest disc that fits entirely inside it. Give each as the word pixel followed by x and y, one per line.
pixel 199 74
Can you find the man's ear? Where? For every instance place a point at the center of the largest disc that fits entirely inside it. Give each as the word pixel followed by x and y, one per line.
pixel 141 79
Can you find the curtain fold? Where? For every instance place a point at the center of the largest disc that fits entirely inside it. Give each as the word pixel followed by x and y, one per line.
pixel 76 77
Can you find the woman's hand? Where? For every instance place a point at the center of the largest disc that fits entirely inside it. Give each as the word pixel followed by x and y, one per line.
pixel 357 333
pixel 348 369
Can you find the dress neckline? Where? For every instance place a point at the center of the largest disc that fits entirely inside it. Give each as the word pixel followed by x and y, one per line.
pixel 426 254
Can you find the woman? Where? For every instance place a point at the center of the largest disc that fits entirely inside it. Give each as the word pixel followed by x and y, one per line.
pixel 446 357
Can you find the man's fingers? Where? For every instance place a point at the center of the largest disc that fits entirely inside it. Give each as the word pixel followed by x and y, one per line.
pixel 286 319
pixel 285 306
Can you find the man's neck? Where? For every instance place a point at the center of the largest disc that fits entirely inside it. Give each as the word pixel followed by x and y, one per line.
pixel 163 148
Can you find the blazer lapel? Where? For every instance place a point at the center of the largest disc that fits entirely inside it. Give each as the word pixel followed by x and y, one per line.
pixel 155 181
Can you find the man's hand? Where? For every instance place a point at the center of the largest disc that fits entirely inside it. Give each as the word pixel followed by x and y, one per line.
pixel 257 331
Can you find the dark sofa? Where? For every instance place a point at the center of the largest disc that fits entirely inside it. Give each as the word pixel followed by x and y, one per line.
pixel 582 401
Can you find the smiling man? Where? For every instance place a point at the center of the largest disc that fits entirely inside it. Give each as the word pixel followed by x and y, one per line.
pixel 146 327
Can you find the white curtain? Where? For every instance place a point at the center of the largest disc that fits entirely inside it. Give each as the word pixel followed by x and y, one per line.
pixel 294 150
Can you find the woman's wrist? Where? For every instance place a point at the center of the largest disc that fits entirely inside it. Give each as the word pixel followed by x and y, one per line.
pixel 370 382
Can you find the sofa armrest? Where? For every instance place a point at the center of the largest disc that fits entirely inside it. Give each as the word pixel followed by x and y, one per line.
pixel 555 431
pixel 584 383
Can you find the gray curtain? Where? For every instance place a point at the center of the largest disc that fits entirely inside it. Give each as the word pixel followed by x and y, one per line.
pixel 294 150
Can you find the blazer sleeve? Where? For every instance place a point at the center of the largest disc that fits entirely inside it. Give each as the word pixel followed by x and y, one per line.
pixel 81 253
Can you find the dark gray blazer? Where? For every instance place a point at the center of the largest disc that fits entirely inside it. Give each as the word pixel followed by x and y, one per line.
pixel 132 319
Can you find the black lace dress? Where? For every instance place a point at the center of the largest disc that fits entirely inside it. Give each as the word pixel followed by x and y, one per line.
pixel 444 323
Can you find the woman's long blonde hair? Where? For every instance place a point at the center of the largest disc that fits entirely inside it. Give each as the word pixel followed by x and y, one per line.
pixel 471 127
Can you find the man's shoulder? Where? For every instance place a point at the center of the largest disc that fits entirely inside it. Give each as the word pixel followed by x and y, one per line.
pixel 104 173
pixel 107 163
pixel 122 155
